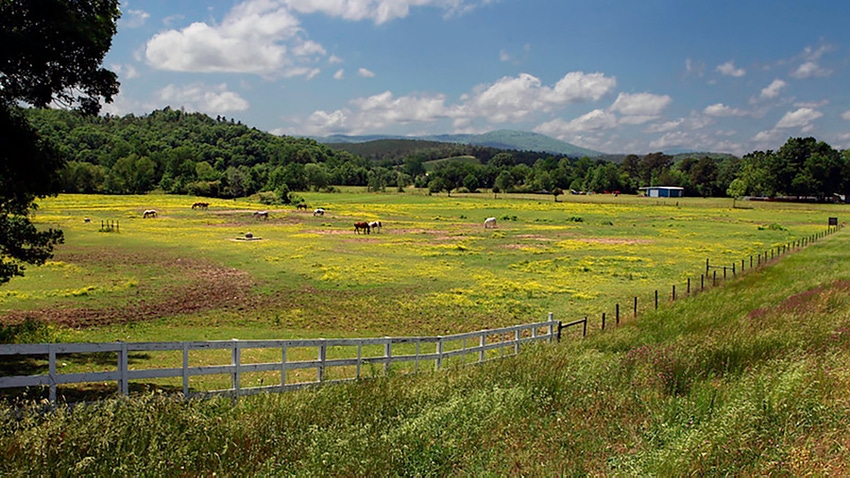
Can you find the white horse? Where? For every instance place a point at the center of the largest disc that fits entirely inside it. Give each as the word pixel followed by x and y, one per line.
pixel 319 212
pixel 375 226
pixel 490 223
pixel 261 214
pixel 149 213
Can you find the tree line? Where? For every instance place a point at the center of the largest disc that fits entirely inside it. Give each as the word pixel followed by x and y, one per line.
pixel 192 153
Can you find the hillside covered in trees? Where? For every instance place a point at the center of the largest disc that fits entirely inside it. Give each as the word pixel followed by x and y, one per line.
pixel 191 153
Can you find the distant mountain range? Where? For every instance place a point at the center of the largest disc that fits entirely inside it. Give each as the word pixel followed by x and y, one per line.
pixel 502 139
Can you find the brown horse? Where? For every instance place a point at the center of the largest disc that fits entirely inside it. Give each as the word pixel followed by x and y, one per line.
pixel 200 205
pixel 261 214
pixel 364 226
pixel 301 206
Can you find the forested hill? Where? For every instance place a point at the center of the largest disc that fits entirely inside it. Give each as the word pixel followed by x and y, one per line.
pixel 185 153
pixel 501 139
pixel 396 151
pixel 191 153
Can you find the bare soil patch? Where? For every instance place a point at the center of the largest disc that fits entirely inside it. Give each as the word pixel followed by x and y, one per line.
pixel 206 286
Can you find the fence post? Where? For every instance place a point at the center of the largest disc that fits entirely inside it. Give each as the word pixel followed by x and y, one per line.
pixel 323 354
pixel 603 320
pixel 656 299
pixel 518 336
pixel 714 279
pixel 360 356
pixel 674 292
pixel 51 367
pixel 724 272
pixel 635 315
pixel 123 368
pixel 617 309
pixel 706 266
pixel 481 342
pixel 388 353
pixel 733 268
pixel 185 369
pixel 551 326
pixel 235 358
pixel 439 360
pixel 283 367
pixel 701 282
pixel 584 328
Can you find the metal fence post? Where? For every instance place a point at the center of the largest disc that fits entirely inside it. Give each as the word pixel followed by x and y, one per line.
pixel 439 360
pixel 551 326
pixel 481 342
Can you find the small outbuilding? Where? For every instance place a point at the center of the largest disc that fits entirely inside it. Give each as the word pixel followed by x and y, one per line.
pixel 663 191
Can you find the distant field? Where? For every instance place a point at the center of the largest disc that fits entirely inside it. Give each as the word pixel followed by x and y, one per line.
pixel 433 268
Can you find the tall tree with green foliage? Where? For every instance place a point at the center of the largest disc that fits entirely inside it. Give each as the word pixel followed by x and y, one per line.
pixel 52 53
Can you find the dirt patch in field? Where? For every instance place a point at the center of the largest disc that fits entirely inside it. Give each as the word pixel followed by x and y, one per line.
pixel 204 286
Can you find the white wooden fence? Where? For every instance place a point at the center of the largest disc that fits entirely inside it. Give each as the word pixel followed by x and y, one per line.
pixel 349 358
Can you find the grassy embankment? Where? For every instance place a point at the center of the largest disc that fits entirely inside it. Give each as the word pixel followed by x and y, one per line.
pixel 750 378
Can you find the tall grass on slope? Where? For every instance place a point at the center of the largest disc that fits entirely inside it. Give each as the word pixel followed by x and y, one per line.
pixel 751 378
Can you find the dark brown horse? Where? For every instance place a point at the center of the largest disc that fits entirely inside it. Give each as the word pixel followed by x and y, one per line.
pixel 200 205
pixel 301 206
pixel 361 226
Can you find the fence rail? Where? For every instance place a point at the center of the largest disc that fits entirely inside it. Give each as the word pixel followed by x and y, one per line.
pixel 351 356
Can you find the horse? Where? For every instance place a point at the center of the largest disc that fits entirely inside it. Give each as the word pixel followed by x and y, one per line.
pixel 149 213
pixel 490 223
pixel 301 206
pixel 200 205
pixel 375 226
pixel 261 214
pixel 364 226
pixel 319 212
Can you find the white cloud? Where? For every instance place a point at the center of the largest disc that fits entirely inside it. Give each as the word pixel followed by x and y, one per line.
pixel 665 127
pixel 257 36
pixel 639 108
pixel 719 110
pixel 729 69
pixel 323 123
pixel 340 74
pixel 379 11
pixel 364 73
pixel 595 120
pixel 810 69
pixel 333 60
pixel 846 115
pixel 772 90
pixel 509 99
pixel 202 98
pixel 800 118
pixel 696 68
pixel 504 56
pixel 133 18
pixel 125 72
pixel 513 98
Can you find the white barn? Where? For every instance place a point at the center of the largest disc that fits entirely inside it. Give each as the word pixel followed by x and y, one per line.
pixel 663 191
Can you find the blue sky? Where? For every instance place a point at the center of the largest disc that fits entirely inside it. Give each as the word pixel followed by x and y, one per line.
pixel 614 76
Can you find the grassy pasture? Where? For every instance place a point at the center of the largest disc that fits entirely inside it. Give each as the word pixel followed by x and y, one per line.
pixel 432 269
pixel 747 379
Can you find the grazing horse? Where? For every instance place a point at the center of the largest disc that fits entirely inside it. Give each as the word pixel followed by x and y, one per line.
pixel 261 214
pixel 149 213
pixel 364 226
pixel 490 223
pixel 200 205
pixel 301 206
pixel 375 226
pixel 319 212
